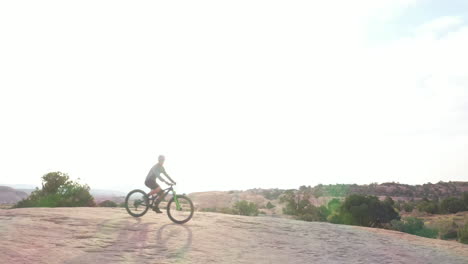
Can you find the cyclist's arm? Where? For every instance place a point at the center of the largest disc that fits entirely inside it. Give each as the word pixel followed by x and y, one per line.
pixel 165 174
pixel 162 179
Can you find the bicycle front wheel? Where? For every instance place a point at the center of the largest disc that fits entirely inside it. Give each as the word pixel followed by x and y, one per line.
pixel 137 203
pixel 180 214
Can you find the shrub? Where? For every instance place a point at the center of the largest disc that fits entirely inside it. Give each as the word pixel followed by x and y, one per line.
pixel 408 207
pixel 312 213
pixel 451 234
pixel 463 234
pixel 428 207
pixel 323 213
pixel 58 191
pixel 289 198
pixel 414 226
pixel 246 208
pixel 389 200
pixel 447 228
pixel 426 232
pixel 272 194
pixel 335 219
pixel 366 211
pixel 334 205
pixel 108 203
pixel 269 205
pixel 452 205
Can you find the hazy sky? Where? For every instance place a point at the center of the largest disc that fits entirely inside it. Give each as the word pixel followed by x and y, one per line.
pixel 236 94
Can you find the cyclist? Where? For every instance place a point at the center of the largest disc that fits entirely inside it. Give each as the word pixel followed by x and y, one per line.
pixel 150 181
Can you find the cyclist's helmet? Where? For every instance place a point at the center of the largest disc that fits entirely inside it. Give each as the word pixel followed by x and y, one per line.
pixel 161 158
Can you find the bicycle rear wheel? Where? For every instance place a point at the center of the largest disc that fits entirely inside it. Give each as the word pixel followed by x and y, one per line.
pixel 182 214
pixel 137 203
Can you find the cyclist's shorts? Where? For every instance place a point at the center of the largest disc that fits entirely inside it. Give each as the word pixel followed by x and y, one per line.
pixel 151 184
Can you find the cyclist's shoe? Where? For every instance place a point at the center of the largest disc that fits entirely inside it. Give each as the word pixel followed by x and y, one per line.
pixel 156 209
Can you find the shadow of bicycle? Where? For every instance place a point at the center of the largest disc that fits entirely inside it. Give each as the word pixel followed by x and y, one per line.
pixel 174 241
pixel 134 241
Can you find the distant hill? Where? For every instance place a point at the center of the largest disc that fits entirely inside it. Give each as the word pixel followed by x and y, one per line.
pixel 9 195
pixel 322 194
pixel 103 195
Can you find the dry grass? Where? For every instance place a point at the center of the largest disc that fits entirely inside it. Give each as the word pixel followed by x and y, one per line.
pixel 459 218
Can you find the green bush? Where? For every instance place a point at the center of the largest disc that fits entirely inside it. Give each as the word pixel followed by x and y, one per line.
pixel 334 205
pixel 272 194
pixel 388 200
pixel 430 207
pixel 408 207
pixel 427 232
pixel 451 234
pixel 246 208
pixel 366 211
pixel 463 234
pixel 452 205
pixel 269 205
pixel 335 218
pixel 414 226
pixel 58 191
pixel 447 228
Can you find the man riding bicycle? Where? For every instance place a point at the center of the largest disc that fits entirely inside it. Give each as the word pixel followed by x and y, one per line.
pixel 150 182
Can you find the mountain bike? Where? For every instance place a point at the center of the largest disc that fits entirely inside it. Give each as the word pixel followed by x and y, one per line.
pixel 179 207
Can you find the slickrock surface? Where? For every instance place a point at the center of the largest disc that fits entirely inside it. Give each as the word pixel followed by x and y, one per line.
pixel 110 235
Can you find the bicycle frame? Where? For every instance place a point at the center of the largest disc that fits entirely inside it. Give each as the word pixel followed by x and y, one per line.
pixel 166 191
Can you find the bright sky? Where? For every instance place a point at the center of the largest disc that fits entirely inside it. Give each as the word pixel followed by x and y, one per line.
pixel 236 94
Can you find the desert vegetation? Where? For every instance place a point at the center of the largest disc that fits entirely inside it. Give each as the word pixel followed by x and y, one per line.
pixel 242 207
pixel 438 190
pixel 370 211
pixel 58 191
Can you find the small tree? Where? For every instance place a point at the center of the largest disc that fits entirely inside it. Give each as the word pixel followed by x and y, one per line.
pixel 427 206
pixel 408 207
pixel 366 211
pixel 58 191
pixel 289 198
pixel 388 200
pixel 269 205
pixel 246 208
pixel 334 205
pixel 452 205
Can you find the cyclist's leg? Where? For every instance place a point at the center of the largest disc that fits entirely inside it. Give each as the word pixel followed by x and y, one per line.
pixel 155 188
pixel 154 191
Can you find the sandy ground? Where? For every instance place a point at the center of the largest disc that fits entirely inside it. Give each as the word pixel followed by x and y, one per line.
pixel 104 235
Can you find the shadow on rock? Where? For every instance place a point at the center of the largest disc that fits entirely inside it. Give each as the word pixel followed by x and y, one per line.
pixel 174 240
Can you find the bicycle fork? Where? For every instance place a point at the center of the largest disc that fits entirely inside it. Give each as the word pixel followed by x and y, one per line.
pixel 176 201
